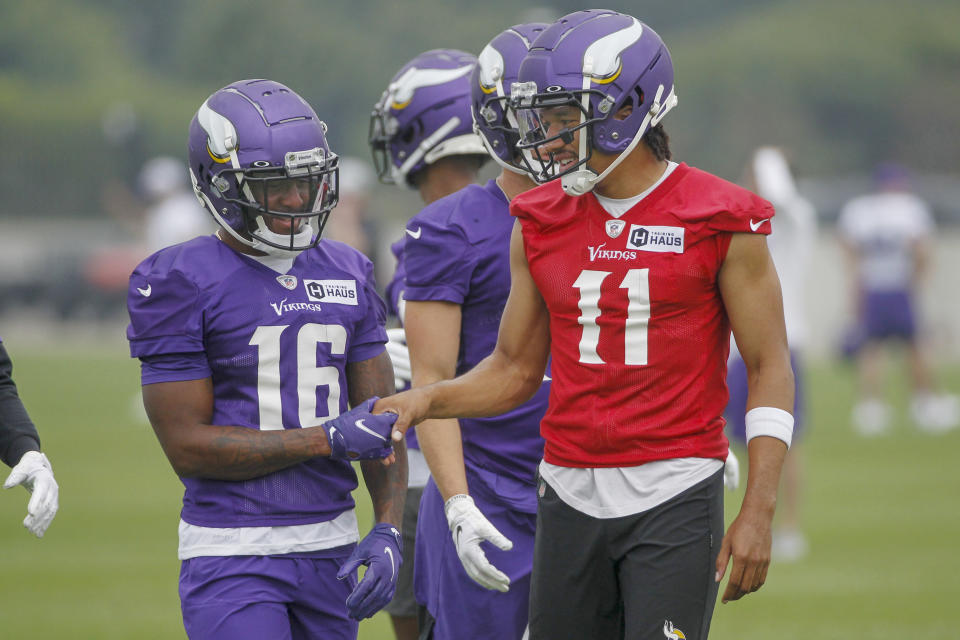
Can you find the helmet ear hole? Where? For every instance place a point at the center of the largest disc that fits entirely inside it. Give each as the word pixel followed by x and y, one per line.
pixel 202 176
pixel 408 135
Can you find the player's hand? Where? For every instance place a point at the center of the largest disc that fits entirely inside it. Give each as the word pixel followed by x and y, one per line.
pixel 360 435
pixel 36 475
pixel 381 550
pixel 747 543
pixel 731 471
pixel 409 407
pixel 469 528
pixel 399 356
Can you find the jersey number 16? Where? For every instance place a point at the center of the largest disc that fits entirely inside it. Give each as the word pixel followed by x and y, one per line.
pixel 309 375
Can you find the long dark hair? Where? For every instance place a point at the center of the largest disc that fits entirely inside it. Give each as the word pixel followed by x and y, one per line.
pixel 658 142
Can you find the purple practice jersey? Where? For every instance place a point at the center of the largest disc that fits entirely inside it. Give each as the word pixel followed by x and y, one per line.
pixel 276 347
pixel 458 250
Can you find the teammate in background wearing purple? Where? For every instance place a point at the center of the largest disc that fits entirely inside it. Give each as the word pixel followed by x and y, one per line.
pixel 630 291
pixel 20 449
pixel 888 235
pixel 792 239
pixel 246 338
pixel 421 137
pixel 483 471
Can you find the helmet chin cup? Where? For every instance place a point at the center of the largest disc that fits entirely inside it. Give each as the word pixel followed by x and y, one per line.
pixel 271 242
pixel 579 182
pixel 260 245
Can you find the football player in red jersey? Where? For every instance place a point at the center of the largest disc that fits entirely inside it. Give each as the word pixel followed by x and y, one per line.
pixel 630 272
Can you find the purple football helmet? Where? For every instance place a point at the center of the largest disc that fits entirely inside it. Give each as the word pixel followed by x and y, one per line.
pixel 496 70
pixel 260 163
pixel 594 64
pixel 424 115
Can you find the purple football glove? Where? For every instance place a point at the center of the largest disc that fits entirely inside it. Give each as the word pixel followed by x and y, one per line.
pixel 381 551
pixel 360 435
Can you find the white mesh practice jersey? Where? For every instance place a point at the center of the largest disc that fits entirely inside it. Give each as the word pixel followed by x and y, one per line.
pixel 884 228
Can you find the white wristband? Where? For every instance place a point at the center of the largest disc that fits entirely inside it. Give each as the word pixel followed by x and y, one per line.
pixel 769 421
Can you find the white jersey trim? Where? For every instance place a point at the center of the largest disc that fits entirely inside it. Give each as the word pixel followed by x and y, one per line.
pixel 262 541
pixel 625 491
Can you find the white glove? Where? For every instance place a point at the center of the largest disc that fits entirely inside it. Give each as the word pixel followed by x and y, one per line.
pixel 36 475
pixel 731 471
pixel 469 528
pixel 399 356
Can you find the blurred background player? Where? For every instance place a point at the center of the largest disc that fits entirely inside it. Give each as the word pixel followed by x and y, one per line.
pixel 631 292
pixel 20 449
pixel 478 512
pixel 352 224
pixel 156 210
pixel 791 243
pixel 172 213
pixel 421 137
pixel 888 235
pixel 247 338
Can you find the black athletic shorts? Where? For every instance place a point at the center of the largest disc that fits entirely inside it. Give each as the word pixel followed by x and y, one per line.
pixel 646 576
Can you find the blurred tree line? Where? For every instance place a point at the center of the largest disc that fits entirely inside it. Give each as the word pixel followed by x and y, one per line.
pixel 89 89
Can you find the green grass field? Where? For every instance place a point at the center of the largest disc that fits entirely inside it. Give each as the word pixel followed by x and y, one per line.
pixel 882 516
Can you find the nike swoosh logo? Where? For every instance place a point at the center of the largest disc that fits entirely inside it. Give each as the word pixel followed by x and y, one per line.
pixel 333 431
pixel 146 292
pixel 359 425
pixel 393 563
pixel 414 234
pixel 459 529
pixel 756 225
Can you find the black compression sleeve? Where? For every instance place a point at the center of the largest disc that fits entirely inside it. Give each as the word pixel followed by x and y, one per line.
pixel 17 433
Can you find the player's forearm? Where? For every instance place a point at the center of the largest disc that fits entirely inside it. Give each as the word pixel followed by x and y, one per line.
pixel 496 385
pixel 17 432
pixel 766 456
pixel 237 453
pixel 771 384
pixel 442 446
pixel 387 486
pixel 368 378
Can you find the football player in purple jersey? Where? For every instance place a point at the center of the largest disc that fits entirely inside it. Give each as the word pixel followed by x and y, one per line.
pixel 421 136
pixel 888 236
pixel 481 499
pixel 247 338
pixel 20 449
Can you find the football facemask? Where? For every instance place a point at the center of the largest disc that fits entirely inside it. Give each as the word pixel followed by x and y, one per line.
pixel 550 123
pixel 284 209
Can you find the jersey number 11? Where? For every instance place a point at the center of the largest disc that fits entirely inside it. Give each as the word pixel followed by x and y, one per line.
pixel 637 284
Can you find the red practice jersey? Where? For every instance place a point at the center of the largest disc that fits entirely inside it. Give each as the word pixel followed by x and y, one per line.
pixel 639 333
